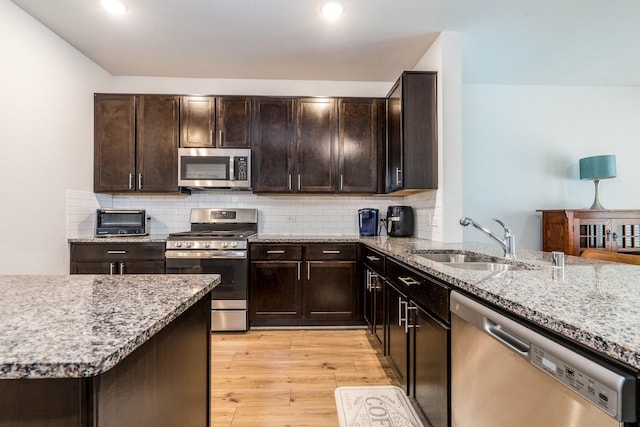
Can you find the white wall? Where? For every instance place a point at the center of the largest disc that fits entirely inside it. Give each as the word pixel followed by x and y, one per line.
pixel 46 109
pixel 521 149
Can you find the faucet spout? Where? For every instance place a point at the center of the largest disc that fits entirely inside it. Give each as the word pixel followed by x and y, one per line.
pixel 508 244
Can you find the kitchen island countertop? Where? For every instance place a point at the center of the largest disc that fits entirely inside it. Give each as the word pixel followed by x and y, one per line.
pixel 74 326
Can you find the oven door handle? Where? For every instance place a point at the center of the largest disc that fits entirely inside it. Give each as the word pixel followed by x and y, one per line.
pixel 205 254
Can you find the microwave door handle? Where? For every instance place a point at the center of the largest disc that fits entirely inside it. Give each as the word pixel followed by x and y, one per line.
pixel 232 172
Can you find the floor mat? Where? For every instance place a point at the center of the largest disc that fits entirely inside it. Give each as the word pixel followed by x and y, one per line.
pixel 375 405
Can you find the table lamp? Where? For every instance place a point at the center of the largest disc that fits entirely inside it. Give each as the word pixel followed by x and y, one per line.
pixel 597 168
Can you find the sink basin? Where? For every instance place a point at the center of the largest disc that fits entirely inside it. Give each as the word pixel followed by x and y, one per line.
pixel 467 261
pixel 482 266
pixel 452 257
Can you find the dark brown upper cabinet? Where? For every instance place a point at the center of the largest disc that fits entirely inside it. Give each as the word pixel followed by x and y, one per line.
pixel 361 124
pixel 412 133
pixel 318 145
pixel 315 170
pixel 272 152
pixel 221 122
pixel 135 143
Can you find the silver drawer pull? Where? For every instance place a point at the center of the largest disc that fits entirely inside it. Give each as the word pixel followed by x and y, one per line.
pixel 330 252
pixel 275 252
pixel 373 258
pixel 116 252
pixel 408 281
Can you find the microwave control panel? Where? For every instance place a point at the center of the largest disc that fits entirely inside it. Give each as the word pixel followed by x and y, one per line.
pixel 241 167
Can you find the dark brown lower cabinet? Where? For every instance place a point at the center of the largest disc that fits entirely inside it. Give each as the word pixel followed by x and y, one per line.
pixel 275 293
pixel 310 284
pixel 418 338
pixel 429 361
pixel 397 333
pixel 117 258
pixel 163 383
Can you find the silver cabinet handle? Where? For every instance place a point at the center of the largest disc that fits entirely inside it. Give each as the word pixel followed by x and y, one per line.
pixel 122 268
pixel 299 268
pixel 298 182
pixel 275 252
pixel 130 181
pixel 341 182
pixel 330 252
pixel 367 280
pixel 139 181
pixel 211 141
pixel 398 173
pixel 289 183
pixel 408 306
pixel 400 310
pixel 116 252
pixel 373 258
pixel 308 271
pixel 408 281
pixel 220 141
pixel 112 268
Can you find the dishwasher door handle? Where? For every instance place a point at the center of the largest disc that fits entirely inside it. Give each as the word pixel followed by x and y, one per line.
pixel 507 338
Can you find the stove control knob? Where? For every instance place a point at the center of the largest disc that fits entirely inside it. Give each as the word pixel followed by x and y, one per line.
pixel 234 245
pixel 188 244
pixel 178 244
pixel 225 244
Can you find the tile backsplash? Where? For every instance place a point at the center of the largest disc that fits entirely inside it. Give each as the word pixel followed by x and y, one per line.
pixel 286 215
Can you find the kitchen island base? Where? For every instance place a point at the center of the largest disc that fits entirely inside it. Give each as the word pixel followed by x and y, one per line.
pixel 164 382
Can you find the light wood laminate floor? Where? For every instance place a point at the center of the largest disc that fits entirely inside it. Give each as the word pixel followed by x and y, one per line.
pixel 287 377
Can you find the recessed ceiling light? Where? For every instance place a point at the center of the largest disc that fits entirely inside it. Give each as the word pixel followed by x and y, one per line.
pixel 332 10
pixel 114 6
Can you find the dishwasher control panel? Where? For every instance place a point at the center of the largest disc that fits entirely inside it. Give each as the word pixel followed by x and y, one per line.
pixel 576 379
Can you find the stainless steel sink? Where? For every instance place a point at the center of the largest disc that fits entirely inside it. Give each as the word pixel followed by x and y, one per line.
pixel 483 266
pixel 467 261
pixel 452 257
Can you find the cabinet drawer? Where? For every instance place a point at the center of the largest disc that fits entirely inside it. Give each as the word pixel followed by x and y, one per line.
pixel 117 251
pixel 324 251
pixel 373 259
pixel 275 252
pixel 424 291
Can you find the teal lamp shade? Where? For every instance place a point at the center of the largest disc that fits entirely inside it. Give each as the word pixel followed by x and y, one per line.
pixel 597 168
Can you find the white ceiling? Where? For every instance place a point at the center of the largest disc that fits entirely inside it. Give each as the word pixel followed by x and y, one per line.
pixel 566 42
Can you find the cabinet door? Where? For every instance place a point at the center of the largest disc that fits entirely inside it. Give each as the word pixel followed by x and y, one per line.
pixel 94 267
pixel 394 139
pixel 272 145
pixel 233 119
pixel 397 337
pixel 142 267
pixel 330 290
pixel 358 145
pixel 315 145
pixel 431 367
pixel 157 143
pixel 275 292
pixel 368 296
pixel 625 235
pixel 197 121
pixel 114 143
pixel 378 316
pixel 591 233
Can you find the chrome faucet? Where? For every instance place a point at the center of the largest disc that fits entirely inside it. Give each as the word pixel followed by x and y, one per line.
pixel 509 242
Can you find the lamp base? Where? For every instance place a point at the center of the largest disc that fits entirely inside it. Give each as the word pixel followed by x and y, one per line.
pixel 596 201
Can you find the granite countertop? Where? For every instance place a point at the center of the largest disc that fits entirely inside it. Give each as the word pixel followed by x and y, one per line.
pixel 72 326
pixel 152 238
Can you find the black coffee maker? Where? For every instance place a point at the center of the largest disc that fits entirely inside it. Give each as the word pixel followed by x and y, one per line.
pixel 400 221
pixel 368 221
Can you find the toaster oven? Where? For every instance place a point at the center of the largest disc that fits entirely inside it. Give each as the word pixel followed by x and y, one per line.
pixel 121 222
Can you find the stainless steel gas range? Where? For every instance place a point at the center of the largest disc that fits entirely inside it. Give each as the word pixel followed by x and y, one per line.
pixel 217 244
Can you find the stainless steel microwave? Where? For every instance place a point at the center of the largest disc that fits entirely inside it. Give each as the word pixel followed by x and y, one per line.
pixel 121 222
pixel 214 168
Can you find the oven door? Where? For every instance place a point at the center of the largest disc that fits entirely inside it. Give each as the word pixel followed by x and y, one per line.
pixel 232 266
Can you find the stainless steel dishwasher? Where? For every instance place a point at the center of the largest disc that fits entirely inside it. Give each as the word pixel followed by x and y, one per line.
pixel 505 374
